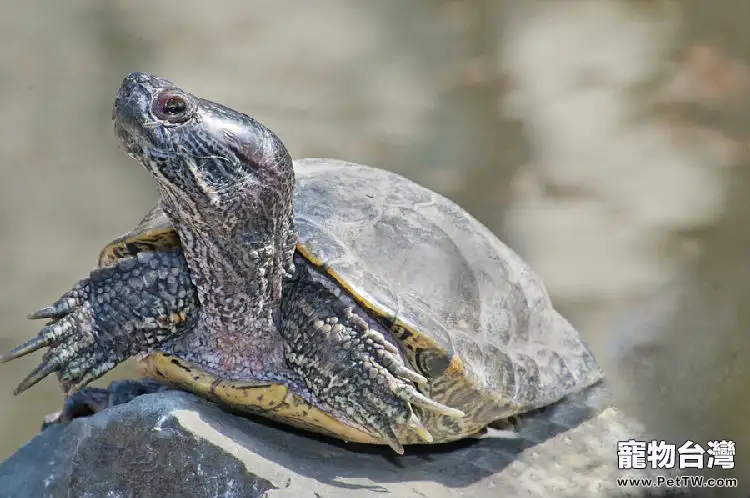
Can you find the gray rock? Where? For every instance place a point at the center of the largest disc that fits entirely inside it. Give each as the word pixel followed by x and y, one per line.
pixel 175 444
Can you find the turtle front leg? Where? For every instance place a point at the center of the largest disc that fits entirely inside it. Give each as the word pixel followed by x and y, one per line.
pixel 349 365
pixel 115 313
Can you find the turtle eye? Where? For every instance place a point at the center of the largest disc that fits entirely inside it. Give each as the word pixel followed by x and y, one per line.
pixel 172 107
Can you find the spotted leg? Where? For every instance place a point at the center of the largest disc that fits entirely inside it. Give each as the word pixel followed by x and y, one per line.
pixel 349 363
pixel 115 313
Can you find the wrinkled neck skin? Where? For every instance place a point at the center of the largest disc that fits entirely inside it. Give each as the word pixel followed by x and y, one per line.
pixel 238 260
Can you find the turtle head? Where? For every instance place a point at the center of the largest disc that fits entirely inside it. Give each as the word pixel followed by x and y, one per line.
pixel 203 155
pixel 226 184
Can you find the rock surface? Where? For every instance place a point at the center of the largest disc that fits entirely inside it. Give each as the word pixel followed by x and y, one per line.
pixel 175 444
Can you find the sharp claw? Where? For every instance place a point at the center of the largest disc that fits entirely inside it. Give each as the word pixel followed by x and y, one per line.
pixel 416 424
pixel 379 338
pixel 27 347
pixel 37 375
pixel 390 347
pixel 390 438
pixel 45 312
pixel 62 306
pixel 410 394
pixel 57 310
pixel 49 335
pixel 54 359
pixel 409 374
pixel 391 359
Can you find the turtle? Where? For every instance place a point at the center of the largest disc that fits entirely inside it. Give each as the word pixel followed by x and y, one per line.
pixel 331 296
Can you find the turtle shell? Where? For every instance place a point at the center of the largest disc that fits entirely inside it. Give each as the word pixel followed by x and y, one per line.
pixel 469 313
pixel 153 233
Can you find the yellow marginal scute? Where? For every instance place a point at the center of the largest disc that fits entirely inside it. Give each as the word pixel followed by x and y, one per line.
pixel 305 252
pixel 453 383
pixel 274 401
pixel 412 341
pixel 152 240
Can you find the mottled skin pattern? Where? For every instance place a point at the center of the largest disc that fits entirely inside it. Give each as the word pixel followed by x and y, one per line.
pixel 115 313
pixel 261 316
pixel 226 185
pixel 225 182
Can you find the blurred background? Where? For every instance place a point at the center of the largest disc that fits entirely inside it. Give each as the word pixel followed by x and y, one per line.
pixel 605 141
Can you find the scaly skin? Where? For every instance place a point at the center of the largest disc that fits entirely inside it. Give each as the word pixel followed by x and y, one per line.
pixel 331 343
pixel 115 313
pixel 226 182
pixel 148 299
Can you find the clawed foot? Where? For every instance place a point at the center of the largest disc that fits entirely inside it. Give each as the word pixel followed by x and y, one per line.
pixel 117 312
pixel 389 393
pixel 362 377
pixel 72 339
pixel 92 400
